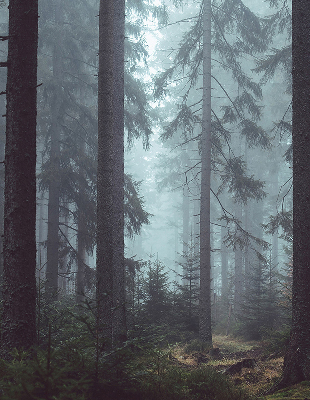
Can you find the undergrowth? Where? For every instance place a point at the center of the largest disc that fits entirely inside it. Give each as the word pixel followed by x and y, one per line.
pixel 70 363
pixel 148 377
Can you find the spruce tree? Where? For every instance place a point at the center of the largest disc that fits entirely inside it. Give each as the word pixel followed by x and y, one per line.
pixel 18 327
pixel 296 361
pixel 205 333
pixel 104 255
pixel 217 123
pixel 118 266
pixel 77 135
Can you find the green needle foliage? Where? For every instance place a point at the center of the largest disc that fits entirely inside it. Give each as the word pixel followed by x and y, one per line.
pixel 73 365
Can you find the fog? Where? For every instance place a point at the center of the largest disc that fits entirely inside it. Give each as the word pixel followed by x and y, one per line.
pixel 250 163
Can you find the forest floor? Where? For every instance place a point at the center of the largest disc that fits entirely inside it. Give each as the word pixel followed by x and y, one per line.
pixel 256 379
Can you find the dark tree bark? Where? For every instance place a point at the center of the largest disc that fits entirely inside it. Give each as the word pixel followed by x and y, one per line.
pixel 297 358
pixel 119 317
pixel 104 260
pixel 2 154
pixel 205 333
pixel 110 197
pixel 19 290
pixel 51 286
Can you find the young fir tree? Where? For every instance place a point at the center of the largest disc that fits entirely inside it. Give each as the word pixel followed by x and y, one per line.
pixel 186 307
pixel 259 311
pixel 156 295
pixel 18 327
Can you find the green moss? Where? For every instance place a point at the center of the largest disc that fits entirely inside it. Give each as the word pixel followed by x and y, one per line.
pixel 300 391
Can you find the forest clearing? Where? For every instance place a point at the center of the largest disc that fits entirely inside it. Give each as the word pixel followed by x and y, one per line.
pixel 255 380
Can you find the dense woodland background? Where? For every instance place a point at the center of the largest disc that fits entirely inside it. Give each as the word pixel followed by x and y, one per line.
pixel 164 200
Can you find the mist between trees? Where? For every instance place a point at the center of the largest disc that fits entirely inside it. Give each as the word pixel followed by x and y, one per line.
pixel 147 173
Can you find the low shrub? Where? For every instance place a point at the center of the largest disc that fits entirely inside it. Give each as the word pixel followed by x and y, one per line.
pixel 277 341
pixel 196 345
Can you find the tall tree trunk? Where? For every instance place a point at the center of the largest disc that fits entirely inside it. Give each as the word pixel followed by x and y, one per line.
pixel 185 211
pixel 176 249
pixel 81 259
pixel 248 252
pixel 297 358
pixel 41 237
pixel 224 265
pixel 185 230
pixel 238 281
pixel 196 229
pixel 196 224
pixel 2 154
pixel 51 286
pixel 63 260
pixel 18 324
pixel 275 237
pixel 119 318
pixel 205 333
pixel 257 278
pixel 104 255
pixel 81 236
pixel 212 269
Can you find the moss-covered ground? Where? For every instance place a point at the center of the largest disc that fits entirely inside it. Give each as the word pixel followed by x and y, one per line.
pixel 255 381
pixel 189 371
